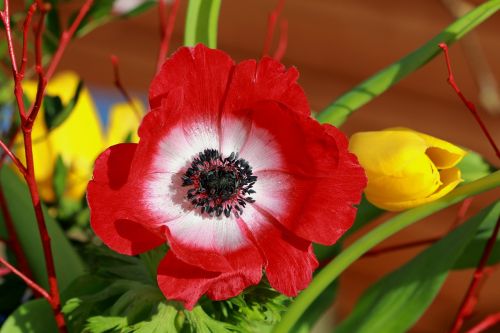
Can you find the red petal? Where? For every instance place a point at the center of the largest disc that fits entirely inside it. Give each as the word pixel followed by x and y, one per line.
pixel 318 181
pixel 112 214
pixel 290 259
pixel 201 73
pixel 267 80
pixel 186 283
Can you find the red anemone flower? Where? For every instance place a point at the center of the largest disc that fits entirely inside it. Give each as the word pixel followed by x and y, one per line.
pixel 233 173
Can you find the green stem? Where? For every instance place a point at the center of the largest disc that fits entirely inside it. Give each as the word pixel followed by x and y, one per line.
pixel 337 112
pixel 382 232
pixel 202 22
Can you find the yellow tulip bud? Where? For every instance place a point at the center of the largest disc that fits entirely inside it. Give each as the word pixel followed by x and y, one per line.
pixel 406 168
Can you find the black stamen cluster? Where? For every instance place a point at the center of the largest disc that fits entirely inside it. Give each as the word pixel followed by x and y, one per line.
pixel 219 185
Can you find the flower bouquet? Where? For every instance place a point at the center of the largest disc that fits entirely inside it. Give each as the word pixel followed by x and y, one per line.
pixel 223 203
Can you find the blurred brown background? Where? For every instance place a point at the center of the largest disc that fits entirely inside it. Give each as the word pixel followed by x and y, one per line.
pixel 335 45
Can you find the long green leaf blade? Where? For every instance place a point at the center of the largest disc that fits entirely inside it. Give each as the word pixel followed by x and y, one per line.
pixel 337 112
pixel 398 300
pixel 382 232
pixel 68 263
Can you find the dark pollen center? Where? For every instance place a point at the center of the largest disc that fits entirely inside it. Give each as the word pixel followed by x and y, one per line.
pixel 219 185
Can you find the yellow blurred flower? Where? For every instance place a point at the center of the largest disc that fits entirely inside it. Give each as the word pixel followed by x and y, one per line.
pixel 78 140
pixel 406 168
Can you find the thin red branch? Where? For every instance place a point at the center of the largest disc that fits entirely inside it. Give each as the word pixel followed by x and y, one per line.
pixel 486 323
pixel 271 26
pixel 467 304
pixel 4 271
pixel 283 41
pixel 18 90
pixel 66 38
pixel 118 84
pixel 167 28
pixel 32 284
pixel 470 106
pixel 26 26
pixel 383 250
pixel 14 243
pixel 17 162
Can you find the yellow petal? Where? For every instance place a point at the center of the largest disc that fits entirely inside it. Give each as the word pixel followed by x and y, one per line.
pixel 444 154
pixel 124 122
pixel 450 179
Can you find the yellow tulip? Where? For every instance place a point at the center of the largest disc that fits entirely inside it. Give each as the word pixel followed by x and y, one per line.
pixel 406 168
pixel 78 140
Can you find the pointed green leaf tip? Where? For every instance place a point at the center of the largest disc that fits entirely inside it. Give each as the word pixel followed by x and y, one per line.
pixel 337 112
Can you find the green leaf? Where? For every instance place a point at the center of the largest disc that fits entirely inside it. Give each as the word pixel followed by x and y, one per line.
pixel 473 166
pixel 68 263
pixel 472 254
pixel 32 317
pixel 337 112
pixel 349 255
pixel 398 300
pixel 139 9
pixel 201 22
pixel 99 14
pixel 60 177
pixel 56 112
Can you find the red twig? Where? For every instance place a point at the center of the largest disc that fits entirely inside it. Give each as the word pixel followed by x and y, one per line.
pixel 33 285
pixel 66 37
pixel 27 121
pixel 26 27
pixel 19 165
pixel 383 250
pixel 283 42
pixel 486 323
pixel 4 271
pixel 271 26
pixel 470 106
pixel 166 29
pixel 118 84
pixel 466 307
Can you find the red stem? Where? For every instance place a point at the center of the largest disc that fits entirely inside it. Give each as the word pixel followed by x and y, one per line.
pixel 283 42
pixel 27 122
pixel 26 279
pixel 167 28
pixel 467 304
pixel 14 243
pixel 271 26
pixel 17 162
pixel 118 84
pixel 470 106
pixel 486 323
pixel 66 37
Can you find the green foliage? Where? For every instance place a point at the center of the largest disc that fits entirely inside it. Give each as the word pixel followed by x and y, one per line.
pixel 101 12
pixel 120 295
pixel 60 177
pixel 473 166
pixel 397 301
pixel 472 254
pixel 32 317
pixel 201 22
pixel 56 112
pixel 332 271
pixel 68 263
pixel 337 112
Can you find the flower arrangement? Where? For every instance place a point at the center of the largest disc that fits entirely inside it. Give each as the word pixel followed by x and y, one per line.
pixel 226 204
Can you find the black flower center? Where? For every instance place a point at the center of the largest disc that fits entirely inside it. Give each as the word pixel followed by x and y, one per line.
pixel 219 185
